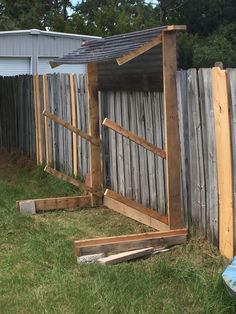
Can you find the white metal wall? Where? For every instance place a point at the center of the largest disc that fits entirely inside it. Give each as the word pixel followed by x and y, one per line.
pixel 10 66
pixel 44 67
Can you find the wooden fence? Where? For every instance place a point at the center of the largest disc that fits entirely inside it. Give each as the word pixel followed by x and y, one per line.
pixel 128 168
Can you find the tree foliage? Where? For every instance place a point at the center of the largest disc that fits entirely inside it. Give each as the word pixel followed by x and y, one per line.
pixel 211 24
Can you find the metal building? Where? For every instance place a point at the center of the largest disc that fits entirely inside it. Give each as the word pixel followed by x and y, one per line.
pixel 29 51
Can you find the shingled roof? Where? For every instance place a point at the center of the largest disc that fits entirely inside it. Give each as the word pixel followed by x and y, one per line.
pixel 114 47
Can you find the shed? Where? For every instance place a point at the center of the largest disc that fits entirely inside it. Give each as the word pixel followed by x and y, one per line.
pixel 29 51
pixel 142 60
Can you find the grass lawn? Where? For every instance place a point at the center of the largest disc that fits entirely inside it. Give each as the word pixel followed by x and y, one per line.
pixel 39 273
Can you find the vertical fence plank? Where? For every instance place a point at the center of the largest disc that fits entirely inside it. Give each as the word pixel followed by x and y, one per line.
pixel 232 103
pixel 209 154
pixel 119 142
pixel 126 144
pixel 182 82
pixel 74 123
pixel 224 161
pixel 197 186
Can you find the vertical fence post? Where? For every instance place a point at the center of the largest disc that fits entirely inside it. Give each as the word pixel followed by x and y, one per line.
pixel 46 121
pixel 38 120
pixel 74 123
pixel 95 163
pixel 171 130
pixel 224 161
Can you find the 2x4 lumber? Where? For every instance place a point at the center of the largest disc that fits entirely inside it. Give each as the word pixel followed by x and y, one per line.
pixel 77 183
pixel 130 242
pixel 176 28
pixel 38 119
pixel 171 130
pixel 134 137
pixel 74 124
pixel 46 204
pixel 137 52
pixel 224 162
pixel 132 210
pixel 139 207
pixel 95 159
pixel 73 129
pixel 125 256
pixel 47 129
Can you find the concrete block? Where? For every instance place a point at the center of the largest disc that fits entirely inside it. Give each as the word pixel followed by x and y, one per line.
pixel 27 207
pixel 89 259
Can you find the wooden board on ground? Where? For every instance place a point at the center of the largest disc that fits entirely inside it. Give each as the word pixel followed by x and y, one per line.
pixel 224 162
pixel 46 204
pixel 125 256
pixel 135 210
pixel 130 242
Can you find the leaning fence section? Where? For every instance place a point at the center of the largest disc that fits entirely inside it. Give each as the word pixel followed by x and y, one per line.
pixel 130 169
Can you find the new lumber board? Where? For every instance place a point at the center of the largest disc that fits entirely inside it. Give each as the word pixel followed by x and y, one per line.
pixel 134 137
pixel 130 242
pixel 93 140
pixel 171 130
pixel 95 159
pixel 46 204
pixel 224 162
pixel 137 52
pixel 125 256
pixel 137 206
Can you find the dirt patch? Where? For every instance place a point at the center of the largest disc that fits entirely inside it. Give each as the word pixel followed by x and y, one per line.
pixel 10 159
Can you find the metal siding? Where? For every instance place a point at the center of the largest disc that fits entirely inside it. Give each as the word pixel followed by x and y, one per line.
pixel 27 44
pixel 44 67
pixel 14 66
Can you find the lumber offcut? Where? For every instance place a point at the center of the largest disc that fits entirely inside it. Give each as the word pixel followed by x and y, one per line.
pixel 125 256
pixel 130 242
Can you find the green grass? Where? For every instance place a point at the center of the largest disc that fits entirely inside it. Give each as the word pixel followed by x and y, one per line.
pixel 39 273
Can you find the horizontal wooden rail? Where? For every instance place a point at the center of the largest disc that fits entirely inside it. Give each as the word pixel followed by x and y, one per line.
pixel 130 242
pixel 72 181
pixel 47 204
pixel 70 127
pixel 134 137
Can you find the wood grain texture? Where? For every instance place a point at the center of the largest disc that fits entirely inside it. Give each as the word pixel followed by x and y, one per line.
pixel 224 162
pixel 134 210
pixel 171 131
pixel 125 256
pixel 134 137
pixel 74 123
pixel 48 204
pixel 231 75
pixel 95 160
pixel 130 242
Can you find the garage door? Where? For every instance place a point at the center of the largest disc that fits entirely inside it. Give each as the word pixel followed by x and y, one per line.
pixel 14 66
pixel 44 67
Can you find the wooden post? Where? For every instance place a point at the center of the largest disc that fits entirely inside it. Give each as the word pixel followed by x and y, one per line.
pixel 171 130
pixel 224 162
pixel 46 122
pixel 74 123
pixel 38 119
pixel 95 164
